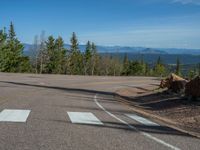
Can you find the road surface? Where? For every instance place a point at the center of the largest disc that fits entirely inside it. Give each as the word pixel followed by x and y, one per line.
pixel 55 112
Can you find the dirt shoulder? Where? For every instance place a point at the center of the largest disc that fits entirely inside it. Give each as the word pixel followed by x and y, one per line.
pixel 171 109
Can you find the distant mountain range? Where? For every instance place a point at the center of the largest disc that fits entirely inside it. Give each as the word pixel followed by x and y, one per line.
pixel 150 55
pixel 127 49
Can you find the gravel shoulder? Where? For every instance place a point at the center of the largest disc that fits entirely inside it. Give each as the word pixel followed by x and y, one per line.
pixel 171 108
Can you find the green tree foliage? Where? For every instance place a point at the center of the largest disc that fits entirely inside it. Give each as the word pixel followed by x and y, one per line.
pixel 198 68
pixel 115 66
pixel 144 67
pixel 178 67
pixel 87 59
pixel 3 37
pixel 191 74
pixel 94 60
pixel 135 68
pixel 75 58
pixel 50 66
pixel 11 52
pixel 104 65
pixel 24 64
pixel 50 56
pixel 54 56
pixel 126 63
pixel 159 68
pixel 60 56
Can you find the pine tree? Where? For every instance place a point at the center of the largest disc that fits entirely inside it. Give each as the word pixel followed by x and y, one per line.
pixel 159 61
pixel 25 65
pixel 178 67
pixel 12 54
pixel 126 70
pixel 60 56
pixel 159 68
pixel 12 35
pixel 15 49
pixel 135 68
pixel 94 59
pixel 3 37
pixel 87 59
pixel 144 67
pixel 51 55
pixel 147 70
pixel 76 65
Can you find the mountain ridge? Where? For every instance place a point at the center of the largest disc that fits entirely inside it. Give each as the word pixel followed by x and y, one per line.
pixel 131 49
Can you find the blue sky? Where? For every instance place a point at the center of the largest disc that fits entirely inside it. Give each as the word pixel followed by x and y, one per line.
pixel 149 23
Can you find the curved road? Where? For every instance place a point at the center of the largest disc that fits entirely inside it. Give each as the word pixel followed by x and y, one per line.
pixel 78 118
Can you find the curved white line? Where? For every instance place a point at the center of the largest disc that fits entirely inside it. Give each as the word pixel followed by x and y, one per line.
pixel 134 128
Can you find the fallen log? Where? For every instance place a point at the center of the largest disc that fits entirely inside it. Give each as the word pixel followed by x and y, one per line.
pixel 192 88
pixel 174 83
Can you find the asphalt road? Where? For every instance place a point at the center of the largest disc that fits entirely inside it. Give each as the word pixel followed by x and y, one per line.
pixel 78 113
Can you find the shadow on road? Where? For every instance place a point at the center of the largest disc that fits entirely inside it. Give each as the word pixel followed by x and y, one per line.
pixel 138 128
pixel 62 88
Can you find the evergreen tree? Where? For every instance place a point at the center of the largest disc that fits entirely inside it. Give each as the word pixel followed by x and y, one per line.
pixel 3 37
pixel 159 61
pixel 198 69
pixel 147 70
pixel 76 65
pixel 143 67
pixel 135 68
pixel 159 68
pixel 12 35
pixel 94 59
pixel 60 56
pixel 51 55
pixel 87 58
pixel 191 73
pixel 178 67
pixel 25 65
pixel 11 52
pixel 15 49
pixel 126 68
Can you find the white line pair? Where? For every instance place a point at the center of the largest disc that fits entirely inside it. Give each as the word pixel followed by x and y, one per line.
pixel 89 118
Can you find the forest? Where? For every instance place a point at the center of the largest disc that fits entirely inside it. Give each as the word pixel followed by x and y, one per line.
pixel 49 56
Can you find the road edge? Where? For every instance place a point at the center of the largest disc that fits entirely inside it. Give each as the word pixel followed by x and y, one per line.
pixel 124 100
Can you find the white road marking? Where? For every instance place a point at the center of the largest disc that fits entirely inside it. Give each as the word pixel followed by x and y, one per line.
pixel 142 120
pixel 84 118
pixel 134 128
pixel 14 115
